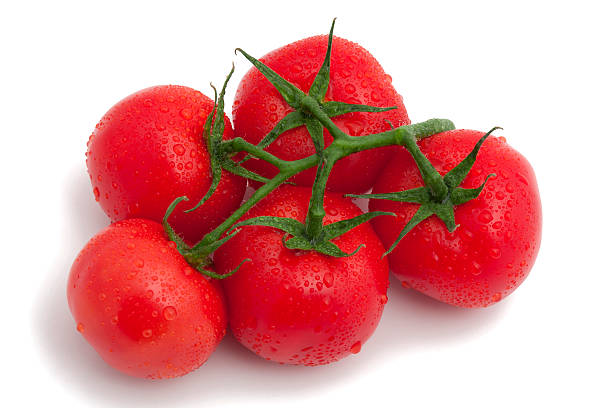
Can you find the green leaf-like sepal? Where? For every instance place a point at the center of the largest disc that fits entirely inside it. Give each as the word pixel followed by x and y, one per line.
pixel 290 93
pixel 289 225
pixel 319 86
pixel 291 121
pixel 456 176
pixel 214 139
pixel 335 108
pixel 180 243
pixel 442 206
pixel 234 168
pixel 335 229
pixel 212 274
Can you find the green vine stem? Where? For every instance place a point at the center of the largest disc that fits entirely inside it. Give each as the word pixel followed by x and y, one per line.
pixel 438 196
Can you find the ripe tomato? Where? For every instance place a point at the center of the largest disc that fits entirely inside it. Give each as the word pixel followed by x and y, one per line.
pixel 149 149
pixel 355 77
pixel 302 307
pixel 141 306
pixel 498 234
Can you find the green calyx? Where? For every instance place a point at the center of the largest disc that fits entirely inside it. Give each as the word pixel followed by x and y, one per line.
pixel 440 194
pixel 299 238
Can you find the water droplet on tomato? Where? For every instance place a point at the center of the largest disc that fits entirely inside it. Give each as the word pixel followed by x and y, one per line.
pixel 495 253
pixel 384 299
pixel 349 88
pixel 148 103
pixel 328 279
pixel 146 333
pixel 405 285
pixel 485 217
pixel 96 192
pixel 179 149
pixel 356 348
pixel 169 313
pixel 139 263
pixel 186 113
pixel 496 297
pixel 476 268
pixel 80 328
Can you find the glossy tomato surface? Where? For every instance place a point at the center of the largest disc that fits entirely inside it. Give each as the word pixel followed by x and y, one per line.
pixel 355 77
pixel 302 307
pixel 149 149
pixel 497 236
pixel 141 306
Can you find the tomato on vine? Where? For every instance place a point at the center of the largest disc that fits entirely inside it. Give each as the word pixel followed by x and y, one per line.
pixel 355 77
pixel 149 149
pixel 498 231
pixel 303 307
pixel 141 306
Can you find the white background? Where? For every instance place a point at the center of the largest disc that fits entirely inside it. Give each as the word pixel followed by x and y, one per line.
pixel 539 69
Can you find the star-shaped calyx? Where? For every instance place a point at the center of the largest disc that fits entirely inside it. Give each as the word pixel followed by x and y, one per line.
pixel 439 195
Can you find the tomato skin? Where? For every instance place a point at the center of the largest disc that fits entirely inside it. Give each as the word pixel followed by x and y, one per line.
pixel 141 306
pixel 148 149
pixel 302 307
pixel 355 77
pixel 498 234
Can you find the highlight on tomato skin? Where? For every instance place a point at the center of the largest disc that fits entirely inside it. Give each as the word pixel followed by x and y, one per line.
pixel 138 303
pixel 148 149
pixel 302 307
pixel 498 234
pixel 355 77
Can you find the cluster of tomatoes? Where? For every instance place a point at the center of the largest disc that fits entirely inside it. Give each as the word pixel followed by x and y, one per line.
pixel 149 313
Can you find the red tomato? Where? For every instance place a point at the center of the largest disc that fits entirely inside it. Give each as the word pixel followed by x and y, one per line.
pixel 149 149
pixel 497 236
pixel 302 307
pixel 355 77
pixel 141 306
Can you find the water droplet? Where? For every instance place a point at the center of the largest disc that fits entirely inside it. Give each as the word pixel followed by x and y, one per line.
pixel 496 297
pixel 297 68
pixel 186 113
pixel 148 103
pixel 130 245
pixel 328 279
pixel 356 348
pixel 179 149
pixel 522 179
pixel 485 217
pixel 405 285
pixel 96 192
pixel 139 263
pixel 146 333
pixel 169 313
pixel 102 297
pixel 509 188
pixel 349 88
pixel 187 271
pixel 476 268
pixel 384 299
pixel 80 328
pixel 495 253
